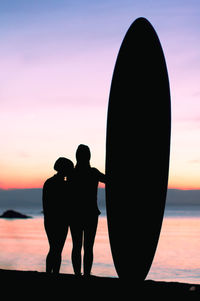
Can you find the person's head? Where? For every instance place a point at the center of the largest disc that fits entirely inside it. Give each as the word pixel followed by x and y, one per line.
pixel 83 154
pixel 64 166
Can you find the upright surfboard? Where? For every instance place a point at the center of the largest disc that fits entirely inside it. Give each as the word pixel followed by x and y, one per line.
pixel 137 150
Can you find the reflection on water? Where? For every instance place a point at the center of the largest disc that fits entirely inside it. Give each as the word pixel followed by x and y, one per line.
pixel 178 254
pixel 23 245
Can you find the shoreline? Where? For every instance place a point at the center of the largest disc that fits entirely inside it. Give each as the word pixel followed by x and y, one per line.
pixel 104 285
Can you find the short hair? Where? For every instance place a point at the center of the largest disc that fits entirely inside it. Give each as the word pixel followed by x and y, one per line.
pixel 63 164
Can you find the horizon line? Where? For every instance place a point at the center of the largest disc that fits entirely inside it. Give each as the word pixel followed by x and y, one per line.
pixel 101 185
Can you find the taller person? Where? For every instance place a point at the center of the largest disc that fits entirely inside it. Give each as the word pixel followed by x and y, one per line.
pixel 85 210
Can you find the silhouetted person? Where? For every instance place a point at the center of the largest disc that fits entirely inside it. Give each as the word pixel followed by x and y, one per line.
pixel 85 210
pixel 56 207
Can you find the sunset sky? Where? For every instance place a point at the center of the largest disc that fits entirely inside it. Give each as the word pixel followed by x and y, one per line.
pixel 57 59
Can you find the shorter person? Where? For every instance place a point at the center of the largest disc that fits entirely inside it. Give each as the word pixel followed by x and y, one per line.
pixel 56 208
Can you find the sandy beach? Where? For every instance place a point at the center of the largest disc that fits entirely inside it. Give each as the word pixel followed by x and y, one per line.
pixel 102 286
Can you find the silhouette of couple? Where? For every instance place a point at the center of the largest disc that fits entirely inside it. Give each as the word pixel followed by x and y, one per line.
pixel 72 202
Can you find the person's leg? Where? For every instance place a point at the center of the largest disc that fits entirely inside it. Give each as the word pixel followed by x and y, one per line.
pixel 89 237
pixel 50 256
pixel 56 238
pixel 77 239
pixel 49 261
pixel 59 244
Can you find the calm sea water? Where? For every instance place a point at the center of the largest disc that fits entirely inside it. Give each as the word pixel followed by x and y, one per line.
pixel 178 253
pixel 23 245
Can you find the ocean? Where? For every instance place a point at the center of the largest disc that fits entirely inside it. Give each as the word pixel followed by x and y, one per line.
pixel 24 246
pixel 177 256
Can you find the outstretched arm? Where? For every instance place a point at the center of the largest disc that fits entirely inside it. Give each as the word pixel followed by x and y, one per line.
pixel 102 177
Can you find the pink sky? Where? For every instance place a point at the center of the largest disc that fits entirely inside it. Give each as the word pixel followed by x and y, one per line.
pixel 56 69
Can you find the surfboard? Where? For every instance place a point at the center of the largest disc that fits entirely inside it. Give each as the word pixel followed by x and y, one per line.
pixel 137 150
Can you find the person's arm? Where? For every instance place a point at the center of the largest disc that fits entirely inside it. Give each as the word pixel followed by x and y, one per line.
pixel 45 198
pixel 101 176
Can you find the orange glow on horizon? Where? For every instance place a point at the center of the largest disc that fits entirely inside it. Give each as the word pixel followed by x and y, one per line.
pixel 30 185
pixel 101 185
pixel 21 186
pixel 39 184
pixel 185 184
pixel 184 187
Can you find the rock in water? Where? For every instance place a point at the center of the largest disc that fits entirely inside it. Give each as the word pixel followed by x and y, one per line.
pixel 13 214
